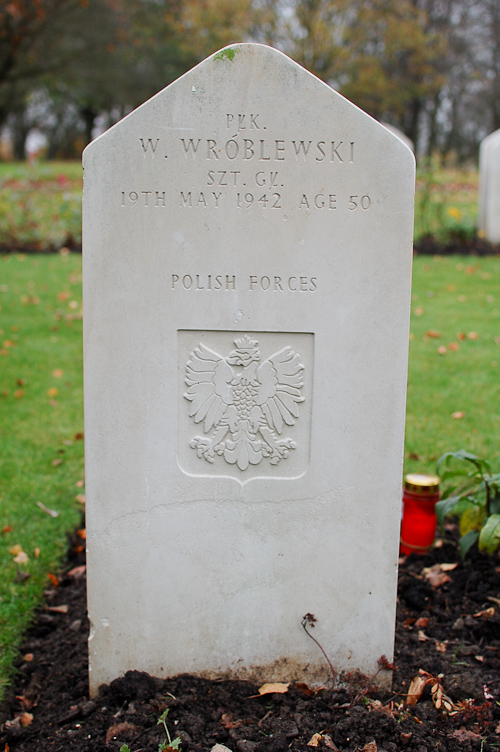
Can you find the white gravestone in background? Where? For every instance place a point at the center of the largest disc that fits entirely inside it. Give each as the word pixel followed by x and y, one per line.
pixel 247 260
pixel 489 187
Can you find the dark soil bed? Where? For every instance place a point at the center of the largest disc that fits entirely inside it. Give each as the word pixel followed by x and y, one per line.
pixel 448 625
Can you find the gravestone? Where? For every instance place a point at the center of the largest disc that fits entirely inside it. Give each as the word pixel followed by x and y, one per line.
pixel 489 187
pixel 247 263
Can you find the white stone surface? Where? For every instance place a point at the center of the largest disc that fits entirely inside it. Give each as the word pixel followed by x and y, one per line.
pixel 247 263
pixel 397 132
pixel 489 187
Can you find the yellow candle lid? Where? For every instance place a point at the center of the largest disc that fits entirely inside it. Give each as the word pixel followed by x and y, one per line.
pixel 423 484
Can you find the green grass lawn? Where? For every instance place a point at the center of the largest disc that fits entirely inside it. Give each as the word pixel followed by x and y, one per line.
pixel 454 366
pixel 41 427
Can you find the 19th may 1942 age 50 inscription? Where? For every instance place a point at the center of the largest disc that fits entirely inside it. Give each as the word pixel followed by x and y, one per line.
pixel 241 170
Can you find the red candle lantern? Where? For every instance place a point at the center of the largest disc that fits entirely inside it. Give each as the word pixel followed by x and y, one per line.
pixel 418 527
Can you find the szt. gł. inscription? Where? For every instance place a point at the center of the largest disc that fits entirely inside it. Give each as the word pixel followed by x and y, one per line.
pixel 243 405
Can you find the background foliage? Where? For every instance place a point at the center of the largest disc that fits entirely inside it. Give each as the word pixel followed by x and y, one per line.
pixel 429 67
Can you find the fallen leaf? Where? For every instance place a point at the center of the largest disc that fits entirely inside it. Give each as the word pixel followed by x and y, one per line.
pixel 432 334
pixel 268 689
pixel 479 658
pixel 79 436
pixel 19 393
pixel 21 558
pixel 228 721
pixel 473 335
pixel 123 731
pixel 441 647
pixel 77 571
pixel 458 415
pixel 436 576
pixel 36 552
pixel 45 509
pixel 442 350
pixel 64 295
pixel 422 622
pixel 304 688
pixel 419 311
pixel 80 483
pixel 53 392
pixel 57 462
pixel 15 549
pixel 58 609
pixel 328 742
pixel 28 657
pixel 463 734
pixel 486 613
pixel 13 725
pixel 370 747
pixel 487 694
pixel 314 740
pixel 54 580
pixel 83 535
pixel 422 637
pixel 413 456
pixel 80 498
pixel 417 686
pixel 461 335
pixel 7 529
pixel 58 373
pixel 449 567
pixel 454 346
pixel 26 719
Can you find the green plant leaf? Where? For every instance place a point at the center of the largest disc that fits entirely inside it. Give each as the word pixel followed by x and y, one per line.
pixel 471 519
pixel 489 537
pixel 163 716
pixel 447 474
pixel 124 748
pixel 482 466
pixel 467 541
pixel 461 454
pixel 445 506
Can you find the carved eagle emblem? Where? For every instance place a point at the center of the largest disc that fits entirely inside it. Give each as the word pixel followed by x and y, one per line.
pixel 243 405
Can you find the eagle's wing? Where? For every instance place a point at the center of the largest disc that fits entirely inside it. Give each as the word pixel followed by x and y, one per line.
pixel 280 377
pixel 208 377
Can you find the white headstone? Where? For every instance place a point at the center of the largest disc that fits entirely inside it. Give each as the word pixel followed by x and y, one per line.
pixel 489 187
pixel 247 262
